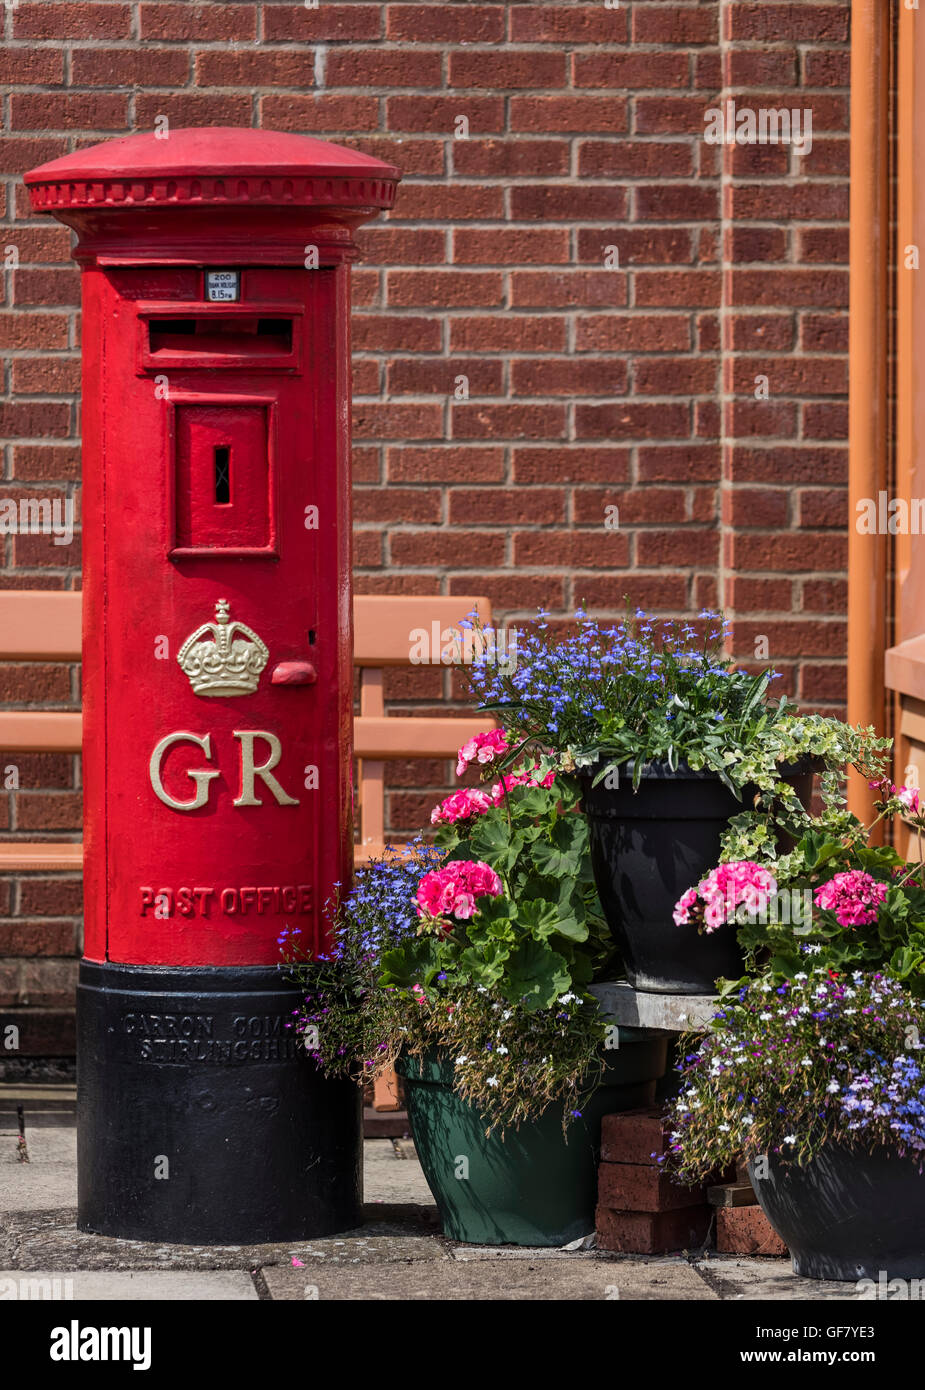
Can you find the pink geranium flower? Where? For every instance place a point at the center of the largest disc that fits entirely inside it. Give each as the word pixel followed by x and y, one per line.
pixel 726 888
pixel 460 806
pixel 484 748
pixel 453 890
pixel 854 897
pixel 520 779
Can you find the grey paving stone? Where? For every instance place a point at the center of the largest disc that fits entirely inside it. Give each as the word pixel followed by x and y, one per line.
pixel 475 1253
pixel 743 1279
pixel 390 1178
pixel 51 1241
pixel 672 1013
pixel 516 1252
pixel 48 1180
pixel 492 1280
pixel 110 1285
pixel 372 1248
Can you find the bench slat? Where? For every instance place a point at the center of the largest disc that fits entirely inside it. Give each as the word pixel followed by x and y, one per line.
pixel 383 625
pixel 35 731
pixel 23 854
pixel 44 625
pixel 38 731
pixel 39 625
pixel 55 856
pixel 408 737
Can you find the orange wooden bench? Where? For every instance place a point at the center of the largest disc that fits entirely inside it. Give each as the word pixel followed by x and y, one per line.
pixel 37 625
pixel 41 625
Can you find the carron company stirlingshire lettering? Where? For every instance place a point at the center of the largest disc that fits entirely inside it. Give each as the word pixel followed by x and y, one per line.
pixel 179 1037
pixel 169 1025
pixel 220 1050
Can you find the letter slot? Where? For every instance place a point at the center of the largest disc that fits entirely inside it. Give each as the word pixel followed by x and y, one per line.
pixel 188 341
pixel 223 478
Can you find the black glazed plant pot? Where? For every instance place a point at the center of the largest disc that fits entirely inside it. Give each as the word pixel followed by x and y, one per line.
pixel 848 1214
pixel 647 848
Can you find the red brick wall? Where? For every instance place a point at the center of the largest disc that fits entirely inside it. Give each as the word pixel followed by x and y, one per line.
pixel 588 386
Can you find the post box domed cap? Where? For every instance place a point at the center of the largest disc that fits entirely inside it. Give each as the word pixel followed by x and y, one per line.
pixel 212 164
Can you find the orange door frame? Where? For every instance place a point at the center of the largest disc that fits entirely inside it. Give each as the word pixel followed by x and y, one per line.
pixel 869 412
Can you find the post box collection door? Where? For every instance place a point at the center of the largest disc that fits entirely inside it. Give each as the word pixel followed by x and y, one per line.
pixel 224 772
pixel 217 671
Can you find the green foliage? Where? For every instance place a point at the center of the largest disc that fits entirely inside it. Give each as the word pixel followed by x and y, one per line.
pixel 504 993
pixel 645 692
pixel 547 934
pixel 893 940
pixel 820 1040
pixel 790 1066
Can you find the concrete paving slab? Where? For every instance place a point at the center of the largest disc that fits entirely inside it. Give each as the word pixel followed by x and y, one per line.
pixel 51 1241
pixel 743 1279
pixel 372 1248
pixel 390 1177
pixel 397 1254
pixel 162 1285
pixel 491 1280
pixel 48 1180
pixel 669 1013
pixel 514 1252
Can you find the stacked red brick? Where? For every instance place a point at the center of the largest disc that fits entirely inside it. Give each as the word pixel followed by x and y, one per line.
pixel 640 1210
pixel 588 387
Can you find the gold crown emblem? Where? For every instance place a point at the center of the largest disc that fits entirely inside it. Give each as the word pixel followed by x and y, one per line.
pixel 219 663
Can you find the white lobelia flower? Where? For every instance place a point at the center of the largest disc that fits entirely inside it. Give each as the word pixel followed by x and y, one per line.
pixel 501 1050
pixel 833 1086
pixel 461 1060
pixel 765 1017
pixel 723 1127
pixel 800 976
pixel 790 1139
pixel 493 1081
pixel 806 1062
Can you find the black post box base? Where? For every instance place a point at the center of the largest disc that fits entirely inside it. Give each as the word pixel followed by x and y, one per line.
pixel 200 1119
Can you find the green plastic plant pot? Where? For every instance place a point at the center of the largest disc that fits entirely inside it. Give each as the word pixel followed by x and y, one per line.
pixel 526 1186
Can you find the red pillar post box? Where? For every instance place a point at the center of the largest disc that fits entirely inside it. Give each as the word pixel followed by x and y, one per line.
pixel 217 670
